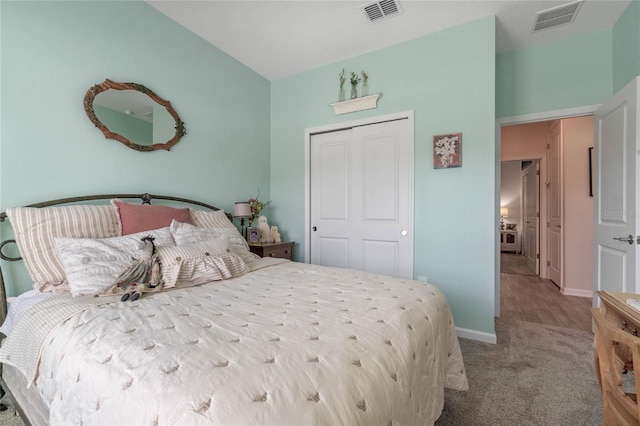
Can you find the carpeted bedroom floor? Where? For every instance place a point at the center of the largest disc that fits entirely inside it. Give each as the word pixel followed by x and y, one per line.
pixel 541 371
pixel 535 375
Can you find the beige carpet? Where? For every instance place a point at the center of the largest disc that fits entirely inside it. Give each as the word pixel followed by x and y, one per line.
pixel 9 418
pixel 536 375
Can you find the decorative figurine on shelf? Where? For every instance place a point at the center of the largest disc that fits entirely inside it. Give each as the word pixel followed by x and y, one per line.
pixel 264 231
pixel 364 91
pixel 354 85
pixel 342 80
pixel 275 235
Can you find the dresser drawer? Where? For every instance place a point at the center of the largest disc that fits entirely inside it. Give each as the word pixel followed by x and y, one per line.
pixel 280 250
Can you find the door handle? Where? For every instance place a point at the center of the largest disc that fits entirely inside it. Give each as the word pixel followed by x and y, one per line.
pixel 314 229
pixel 628 239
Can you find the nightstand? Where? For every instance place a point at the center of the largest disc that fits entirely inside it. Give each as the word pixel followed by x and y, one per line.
pixel 509 241
pixel 283 250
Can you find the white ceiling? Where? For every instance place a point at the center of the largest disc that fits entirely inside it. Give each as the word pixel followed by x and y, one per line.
pixel 281 38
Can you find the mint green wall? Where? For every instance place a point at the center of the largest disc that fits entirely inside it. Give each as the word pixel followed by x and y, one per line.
pixel 626 46
pixel 575 71
pixel 448 79
pixel 52 52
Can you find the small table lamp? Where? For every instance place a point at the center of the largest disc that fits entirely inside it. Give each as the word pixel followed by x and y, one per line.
pixel 504 212
pixel 242 209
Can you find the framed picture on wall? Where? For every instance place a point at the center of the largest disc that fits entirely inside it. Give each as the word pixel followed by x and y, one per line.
pixel 252 235
pixel 447 151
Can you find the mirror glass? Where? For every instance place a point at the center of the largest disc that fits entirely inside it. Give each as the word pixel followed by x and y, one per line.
pixel 133 115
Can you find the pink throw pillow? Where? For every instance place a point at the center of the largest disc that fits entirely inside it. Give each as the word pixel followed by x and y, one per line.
pixel 144 217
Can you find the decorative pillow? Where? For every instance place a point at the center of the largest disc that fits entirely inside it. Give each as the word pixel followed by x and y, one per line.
pixel 35 229
pixel 208 226
pixel 93 265
pixel 199 263
pixel 218 220
pixel 161 237
pixel 211 219
pixel 144 217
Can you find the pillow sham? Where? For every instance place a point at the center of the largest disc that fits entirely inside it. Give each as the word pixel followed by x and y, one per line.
pixel 145 217
pixel 93 265
pixel 211 219
pixel 199 263
pixel 183 234
pixel 36 228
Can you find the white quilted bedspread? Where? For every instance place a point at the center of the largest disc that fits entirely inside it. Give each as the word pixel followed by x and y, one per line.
pixel 288 344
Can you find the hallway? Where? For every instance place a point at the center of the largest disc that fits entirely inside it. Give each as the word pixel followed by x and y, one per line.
pixel 527 297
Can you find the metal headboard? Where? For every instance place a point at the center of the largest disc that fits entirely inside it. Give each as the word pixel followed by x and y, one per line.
pixel 146 199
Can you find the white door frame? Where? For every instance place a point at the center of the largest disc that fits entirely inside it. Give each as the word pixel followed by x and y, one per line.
pixel 537 196
pixel 523 119
pixel 409 115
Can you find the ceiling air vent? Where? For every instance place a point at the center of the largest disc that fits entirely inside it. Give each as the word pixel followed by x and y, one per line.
pixel 381 10
pixel 556 16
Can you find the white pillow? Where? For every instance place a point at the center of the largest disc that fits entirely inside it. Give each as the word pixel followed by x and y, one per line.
pixel 93 265
pixel 184 233
pixel 199 263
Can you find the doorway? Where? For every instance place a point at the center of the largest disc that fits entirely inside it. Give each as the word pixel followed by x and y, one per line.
pixel 520 217
pixel 579 251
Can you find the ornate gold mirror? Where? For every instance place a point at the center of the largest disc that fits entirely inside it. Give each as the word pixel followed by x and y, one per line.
pixel 134 115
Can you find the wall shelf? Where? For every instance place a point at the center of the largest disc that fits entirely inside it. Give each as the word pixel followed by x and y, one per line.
pixel 357 104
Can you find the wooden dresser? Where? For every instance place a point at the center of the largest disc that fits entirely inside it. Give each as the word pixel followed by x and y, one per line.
pixel 618 312
pixel 283 250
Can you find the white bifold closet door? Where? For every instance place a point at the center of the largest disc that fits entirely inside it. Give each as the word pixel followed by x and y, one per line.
pixel 362 198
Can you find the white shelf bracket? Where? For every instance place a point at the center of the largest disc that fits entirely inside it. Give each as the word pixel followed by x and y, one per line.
pixel 357 104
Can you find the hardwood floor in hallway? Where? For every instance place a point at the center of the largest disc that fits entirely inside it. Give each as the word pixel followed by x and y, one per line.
pixel 534 299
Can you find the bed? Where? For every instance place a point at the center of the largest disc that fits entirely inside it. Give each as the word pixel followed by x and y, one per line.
pixel 229 338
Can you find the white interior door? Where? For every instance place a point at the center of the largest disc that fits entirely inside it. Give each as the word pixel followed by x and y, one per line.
pixel 361 196
pixel 615 189
pixel 554 204
pixel 531 203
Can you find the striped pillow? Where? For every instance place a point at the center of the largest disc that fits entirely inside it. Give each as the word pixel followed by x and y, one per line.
pixel 211 219
pixel 199 263
pixel 36 228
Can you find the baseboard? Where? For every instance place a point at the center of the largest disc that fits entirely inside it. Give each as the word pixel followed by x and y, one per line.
pixel 477 335
pixel 577 292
